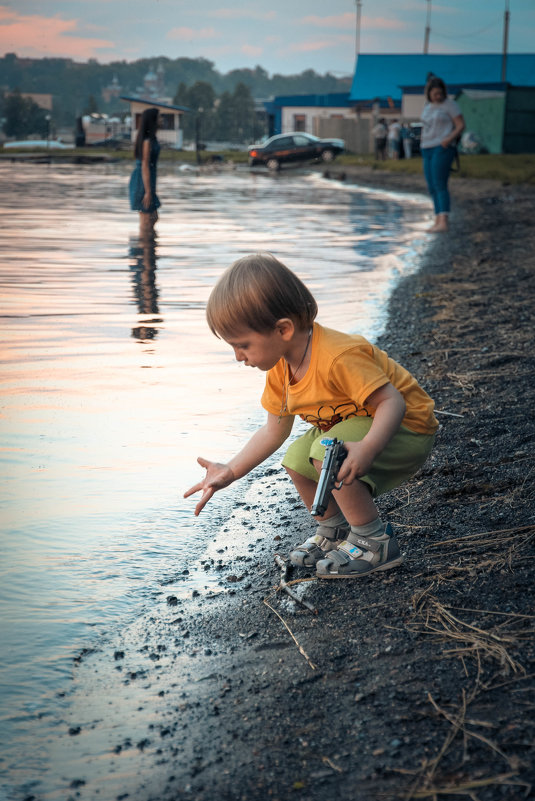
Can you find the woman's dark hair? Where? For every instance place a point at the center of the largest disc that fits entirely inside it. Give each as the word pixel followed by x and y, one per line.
pixel 435 83
pixel 148 125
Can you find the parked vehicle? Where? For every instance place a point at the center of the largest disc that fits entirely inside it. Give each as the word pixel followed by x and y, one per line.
pixel 292 147
pixel 49 144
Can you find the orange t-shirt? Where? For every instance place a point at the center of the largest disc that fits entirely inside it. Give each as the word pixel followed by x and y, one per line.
pixel 343 372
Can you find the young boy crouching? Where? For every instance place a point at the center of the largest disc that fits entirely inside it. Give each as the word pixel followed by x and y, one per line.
pixel 340 384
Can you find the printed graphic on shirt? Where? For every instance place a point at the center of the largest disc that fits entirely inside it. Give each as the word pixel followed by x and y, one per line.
pixel 329 416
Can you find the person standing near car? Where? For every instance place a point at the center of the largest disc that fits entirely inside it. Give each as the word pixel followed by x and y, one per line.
pixel 443 124
pixel 142 188
pixel 406 140
pixel 394 139
pixel 379 132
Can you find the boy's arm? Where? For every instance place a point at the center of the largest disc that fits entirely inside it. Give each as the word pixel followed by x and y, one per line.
pixel 261 445
pixel 389 412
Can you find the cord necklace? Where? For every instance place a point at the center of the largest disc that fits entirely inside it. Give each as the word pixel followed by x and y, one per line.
pixel 286 383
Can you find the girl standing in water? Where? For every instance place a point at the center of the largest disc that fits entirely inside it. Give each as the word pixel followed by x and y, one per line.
pixel 143 197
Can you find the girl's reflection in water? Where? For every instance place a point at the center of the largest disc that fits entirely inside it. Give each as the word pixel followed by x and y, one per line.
pixel 143 268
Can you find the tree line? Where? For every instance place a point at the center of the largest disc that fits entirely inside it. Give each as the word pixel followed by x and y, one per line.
pixel 231 117
pixel 194 82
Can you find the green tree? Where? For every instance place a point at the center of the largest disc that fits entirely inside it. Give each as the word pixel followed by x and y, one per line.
pixel 181 95
pixel 225 118
pixel 92 106
pixel 236 116
pixel 23 117
pixel 200 99
pixel 245 113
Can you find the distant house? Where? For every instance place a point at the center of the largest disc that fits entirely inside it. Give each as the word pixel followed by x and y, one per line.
pixel 288 113
pixel 169 133
pixel 328 115
pixel 99 127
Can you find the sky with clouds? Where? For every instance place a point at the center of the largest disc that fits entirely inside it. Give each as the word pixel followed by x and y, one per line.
pixel 285 36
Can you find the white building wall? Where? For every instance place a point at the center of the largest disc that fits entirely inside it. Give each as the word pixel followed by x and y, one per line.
pixel 311 114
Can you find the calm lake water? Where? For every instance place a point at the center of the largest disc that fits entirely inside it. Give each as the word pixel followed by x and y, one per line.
pixel 112 385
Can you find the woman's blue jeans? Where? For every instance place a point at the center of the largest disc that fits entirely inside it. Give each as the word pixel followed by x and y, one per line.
pixel 437 166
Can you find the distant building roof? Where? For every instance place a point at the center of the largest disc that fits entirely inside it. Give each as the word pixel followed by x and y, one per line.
pixel 150 102
pixel 384 75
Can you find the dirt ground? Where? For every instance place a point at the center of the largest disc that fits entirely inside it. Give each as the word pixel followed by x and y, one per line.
pixel 414 683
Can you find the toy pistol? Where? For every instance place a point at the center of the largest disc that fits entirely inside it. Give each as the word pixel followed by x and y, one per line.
pixel 335 453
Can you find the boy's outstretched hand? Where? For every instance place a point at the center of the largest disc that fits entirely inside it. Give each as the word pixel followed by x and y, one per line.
pixel 217 476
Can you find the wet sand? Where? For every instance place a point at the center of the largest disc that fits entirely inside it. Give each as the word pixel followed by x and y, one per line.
pixel 408 684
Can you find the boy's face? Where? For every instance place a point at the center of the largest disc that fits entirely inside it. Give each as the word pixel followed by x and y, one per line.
pixel 258 350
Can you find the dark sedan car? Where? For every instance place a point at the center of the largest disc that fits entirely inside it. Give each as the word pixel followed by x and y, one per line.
pixel 291 147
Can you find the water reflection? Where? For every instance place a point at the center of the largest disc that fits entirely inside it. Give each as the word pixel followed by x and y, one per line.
pixel 99 433
pixel 143 256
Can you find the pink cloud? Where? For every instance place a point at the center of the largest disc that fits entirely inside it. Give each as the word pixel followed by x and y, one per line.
pixel 382 23
pixel 310 47
pixel 35 36
pixel 339 21
pixel 243 13
pixel 251 50
pixel 184 34
pixel 348 20
pixel 314 45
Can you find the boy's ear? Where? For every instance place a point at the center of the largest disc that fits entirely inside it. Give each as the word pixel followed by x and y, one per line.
pixel 286 328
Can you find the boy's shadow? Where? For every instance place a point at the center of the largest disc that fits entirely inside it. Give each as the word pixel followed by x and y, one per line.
pixel 143 257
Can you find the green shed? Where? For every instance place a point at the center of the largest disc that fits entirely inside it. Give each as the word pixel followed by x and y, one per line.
pixel 502 119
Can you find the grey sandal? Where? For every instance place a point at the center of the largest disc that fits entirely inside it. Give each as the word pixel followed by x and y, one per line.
pixel 314 548
pixel 358 556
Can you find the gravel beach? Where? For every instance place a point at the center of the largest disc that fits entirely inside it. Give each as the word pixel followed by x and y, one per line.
pixel 409 684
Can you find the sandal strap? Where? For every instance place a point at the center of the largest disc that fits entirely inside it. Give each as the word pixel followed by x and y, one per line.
pixel 366 543
pixel 338 533
pixel 315 539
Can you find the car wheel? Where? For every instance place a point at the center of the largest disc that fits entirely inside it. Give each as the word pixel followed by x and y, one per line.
pixel 327 155
pixel 273 164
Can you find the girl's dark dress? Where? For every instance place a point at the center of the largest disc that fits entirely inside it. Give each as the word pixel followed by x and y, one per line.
pixel 137 189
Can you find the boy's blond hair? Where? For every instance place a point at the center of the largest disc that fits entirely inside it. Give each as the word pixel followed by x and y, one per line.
pixel 255 292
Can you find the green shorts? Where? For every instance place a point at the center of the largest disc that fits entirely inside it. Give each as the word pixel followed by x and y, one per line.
pixel 402 458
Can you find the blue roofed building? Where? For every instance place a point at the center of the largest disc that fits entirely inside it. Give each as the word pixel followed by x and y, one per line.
pixel 383 75
pixel 391 86
pixel 500 112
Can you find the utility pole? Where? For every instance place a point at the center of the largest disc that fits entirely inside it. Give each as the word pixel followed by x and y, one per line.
pixel 357 37
pixel 427 28
pixel 505 40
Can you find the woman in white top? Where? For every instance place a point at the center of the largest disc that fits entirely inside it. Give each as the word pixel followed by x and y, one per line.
pixel 443 123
